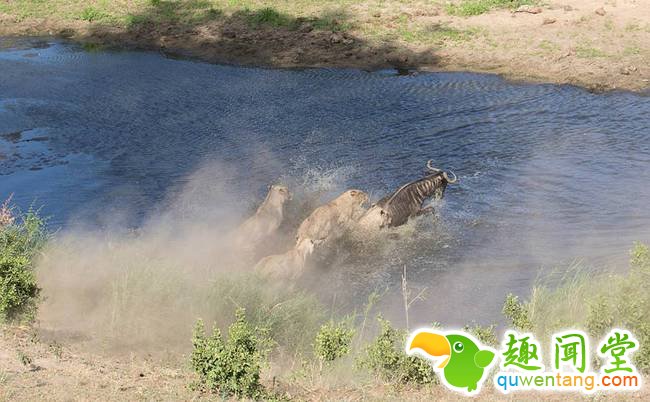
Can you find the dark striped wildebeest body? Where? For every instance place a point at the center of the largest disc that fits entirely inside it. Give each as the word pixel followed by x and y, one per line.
pixel 396 208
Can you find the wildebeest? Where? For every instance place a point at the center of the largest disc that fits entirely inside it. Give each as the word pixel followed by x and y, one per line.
pixel 267 218
pixel 396 208
pixel 326 223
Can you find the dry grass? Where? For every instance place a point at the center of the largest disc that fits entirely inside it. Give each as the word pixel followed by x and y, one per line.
pixel 6 215
pixel 476 35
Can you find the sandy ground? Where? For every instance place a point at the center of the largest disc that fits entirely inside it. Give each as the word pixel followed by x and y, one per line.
pixel 33 368
pixel 598 44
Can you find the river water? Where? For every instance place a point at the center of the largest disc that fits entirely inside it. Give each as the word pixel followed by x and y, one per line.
pixel 547 174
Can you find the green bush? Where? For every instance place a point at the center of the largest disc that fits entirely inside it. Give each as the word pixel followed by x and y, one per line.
pixel 386 359
pixel 595 302
pixel 486 335
pixel 517 313
pixel 230 367
pixel 333 341
pixel 20 242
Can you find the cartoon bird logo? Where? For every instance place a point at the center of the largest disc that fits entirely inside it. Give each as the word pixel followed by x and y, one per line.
pixel 464 359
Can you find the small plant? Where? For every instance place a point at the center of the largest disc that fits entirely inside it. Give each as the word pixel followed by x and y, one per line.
pixel 600 316
pixel 476 7
pixel 333 341
pixel 56 349
pixel 386 359
pixel 268 16
pixel 640 256
pixel 486 335
pixel 20 242
pixel 6 215
pixel 586 52
pixel 517 313
pixel 24 358
pixel 133 20
pixel 91 14
pixel 230 367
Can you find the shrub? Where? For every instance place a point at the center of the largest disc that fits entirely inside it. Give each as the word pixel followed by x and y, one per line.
pixel 20 242
pixel 333 341
pixel 386 359
pixel 640 256
pixel 485 335
pixel 517 313
pixel 595 302
pixel 230 367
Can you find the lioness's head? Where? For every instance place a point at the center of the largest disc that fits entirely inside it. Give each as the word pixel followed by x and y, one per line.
pixel 280 193
pixel 353 198
pixel 375 218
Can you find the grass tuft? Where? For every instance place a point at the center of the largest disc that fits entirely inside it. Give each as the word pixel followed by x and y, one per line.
pixel 92 14
pixel 468 8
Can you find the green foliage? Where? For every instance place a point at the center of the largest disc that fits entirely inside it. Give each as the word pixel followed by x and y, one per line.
pixel 477 7
pixel 268 16
pixel 20 242
pixel 596 302
pixel 173 12
pixel 600 317
pixel 92 14
pixel 586 51
pixel 386 359
pixel 230 367
pixel 486 335
pixel 333 341
pixel 436 33
pixel 640 256
pixel 335 21
pixel 517 313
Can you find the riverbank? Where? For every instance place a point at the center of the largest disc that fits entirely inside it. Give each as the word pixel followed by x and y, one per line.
pixel 35 368
pixel 132 342
pixel 597 44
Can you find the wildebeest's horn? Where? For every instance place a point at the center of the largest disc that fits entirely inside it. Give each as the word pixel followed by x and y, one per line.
pixel 454 180
pixel 430 166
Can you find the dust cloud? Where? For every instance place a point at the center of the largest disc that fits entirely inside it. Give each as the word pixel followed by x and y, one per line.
pixel 143 289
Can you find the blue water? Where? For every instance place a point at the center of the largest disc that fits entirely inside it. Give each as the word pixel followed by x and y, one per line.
pixel 548 173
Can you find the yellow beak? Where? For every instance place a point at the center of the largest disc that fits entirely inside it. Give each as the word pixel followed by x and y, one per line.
pixel 432 344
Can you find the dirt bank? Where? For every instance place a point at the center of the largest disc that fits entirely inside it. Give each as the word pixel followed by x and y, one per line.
pixel 598 44
pixel 34 368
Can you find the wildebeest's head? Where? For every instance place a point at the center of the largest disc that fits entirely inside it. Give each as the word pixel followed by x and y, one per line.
pixel 446 179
